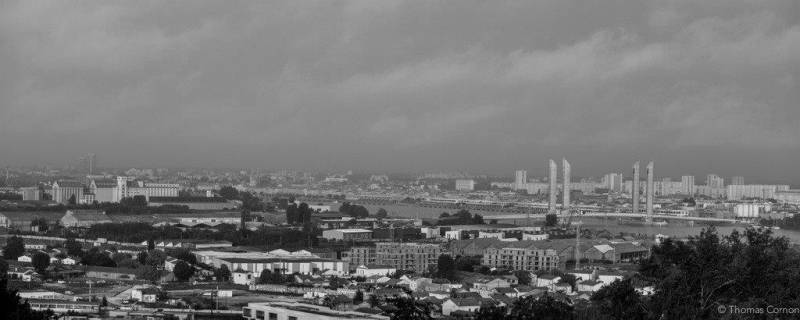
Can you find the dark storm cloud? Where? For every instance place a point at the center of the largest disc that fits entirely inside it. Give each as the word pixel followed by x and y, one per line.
pixel 390 85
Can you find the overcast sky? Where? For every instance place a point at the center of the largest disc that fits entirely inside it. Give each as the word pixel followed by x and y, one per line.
pixel 481 86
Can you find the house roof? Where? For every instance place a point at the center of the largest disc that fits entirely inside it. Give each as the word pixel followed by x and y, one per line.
pixel 505 290
pixel 604 248
pixel 69 184
pixel 467 302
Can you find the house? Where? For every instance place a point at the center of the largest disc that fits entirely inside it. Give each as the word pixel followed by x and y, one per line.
pixel 589 285
pixel 460 304
pixel 490 284
pixel 147 294
pixel 35 246
pixel 24 274
pixel 110 273
pixel 608 277
pixel 374 270
pixel 547 280
pixel 508 292
pixel 243 277
pixel 169 264
pixel 84 218
pixel 601 252
pixel 68 261
pixel 25 258
pixel 584 274
pixel 416 282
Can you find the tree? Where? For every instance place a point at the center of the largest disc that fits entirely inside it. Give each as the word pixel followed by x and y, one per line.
pixel 446 267
pixel 3 269
pixel 354 210
pixel 749 270
pixel 149 273
pixel 358 298
pixel 95 257
pixel 374 301
pixel 229 193
pixel 183 271
pixel 40 262
pixel 269 277
pixel 156 258
pixel 550 220
pixel 546 307
pixel 222 273
pixel 618 301
pixel 151 244
pixel 40 224
pixel 524 277
pixel 141 257
pixel 408 307
pixel 72 200
pixel 467 264
pixel 11 306
pixel 185 255
pixel 381 214
pixel 245 216
pixel 73 247
pixel 15 247
pixel 492 313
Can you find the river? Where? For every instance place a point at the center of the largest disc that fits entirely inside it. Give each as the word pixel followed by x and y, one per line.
pixel 675 229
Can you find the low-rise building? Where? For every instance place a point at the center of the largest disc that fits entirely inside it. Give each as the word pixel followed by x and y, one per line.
pixel 464 304
pixel 300 311
pixel 347 234
pixel 374 270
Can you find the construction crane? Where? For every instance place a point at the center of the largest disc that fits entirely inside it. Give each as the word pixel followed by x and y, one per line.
pixel 567 218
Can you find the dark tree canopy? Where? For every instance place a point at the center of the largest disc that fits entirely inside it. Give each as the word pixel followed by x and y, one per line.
pixel 550 220
pixel 183 271
pixel 73 247
pixel 354 210
pixel 40 262
pixel 545 307
pixel 15 247
pixel 619 300
pixel 749 269
pixel 12 307
pixel 446 267
pixel 229 193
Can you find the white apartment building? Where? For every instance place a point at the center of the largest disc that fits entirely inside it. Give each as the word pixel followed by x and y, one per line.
pixel 757 191
pixel 465 185
pixel 525 259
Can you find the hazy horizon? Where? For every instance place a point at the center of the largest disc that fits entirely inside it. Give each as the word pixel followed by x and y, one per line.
pixel 698 87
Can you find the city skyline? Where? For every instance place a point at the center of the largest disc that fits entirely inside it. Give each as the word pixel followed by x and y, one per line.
pixel 398 87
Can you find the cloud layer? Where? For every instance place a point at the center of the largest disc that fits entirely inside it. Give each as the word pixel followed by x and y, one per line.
pixel 396 86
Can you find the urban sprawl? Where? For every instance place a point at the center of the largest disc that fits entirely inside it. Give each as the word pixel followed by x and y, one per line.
pixel 86 242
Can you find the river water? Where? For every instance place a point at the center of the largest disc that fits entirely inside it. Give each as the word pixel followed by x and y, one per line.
pixel 675 229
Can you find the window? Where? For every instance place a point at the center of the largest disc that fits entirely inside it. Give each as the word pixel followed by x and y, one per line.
pixel 273 316
pixel 292 318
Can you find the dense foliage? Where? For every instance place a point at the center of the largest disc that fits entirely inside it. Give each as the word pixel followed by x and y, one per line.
pixel 12 307
pixel 697 279
pixel 14 248
pixel 461 217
